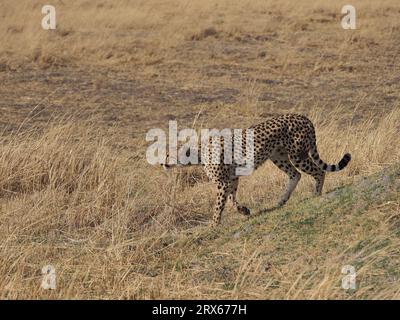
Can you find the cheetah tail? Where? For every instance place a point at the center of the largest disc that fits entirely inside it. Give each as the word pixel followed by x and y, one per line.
pixel 330 167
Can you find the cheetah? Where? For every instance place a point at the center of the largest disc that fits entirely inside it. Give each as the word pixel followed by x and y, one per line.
pixel 289 141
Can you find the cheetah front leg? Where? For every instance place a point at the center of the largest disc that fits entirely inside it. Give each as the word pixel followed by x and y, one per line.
pixel 232 196
pixel 222 194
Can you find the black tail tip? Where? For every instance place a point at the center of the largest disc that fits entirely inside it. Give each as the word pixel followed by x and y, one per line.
pixel 345 160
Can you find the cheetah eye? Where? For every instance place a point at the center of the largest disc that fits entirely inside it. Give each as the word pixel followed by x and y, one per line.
pixel 188 153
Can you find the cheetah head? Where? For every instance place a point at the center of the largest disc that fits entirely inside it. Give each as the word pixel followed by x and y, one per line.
pixel 166 163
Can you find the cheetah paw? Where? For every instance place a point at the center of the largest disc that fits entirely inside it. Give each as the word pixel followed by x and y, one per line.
pixel 244 210
pixel 281 203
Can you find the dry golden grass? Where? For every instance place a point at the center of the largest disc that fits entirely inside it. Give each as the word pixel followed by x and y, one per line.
pixel 75 188
pixel 115 227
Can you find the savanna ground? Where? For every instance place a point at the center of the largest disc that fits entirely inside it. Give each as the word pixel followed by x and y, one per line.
pixel 76 191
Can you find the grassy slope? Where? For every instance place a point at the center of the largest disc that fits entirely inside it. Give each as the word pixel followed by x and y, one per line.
pixel 298 251
pixel 124 229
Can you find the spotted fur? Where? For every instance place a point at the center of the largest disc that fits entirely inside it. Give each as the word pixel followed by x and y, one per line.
pixel 289 142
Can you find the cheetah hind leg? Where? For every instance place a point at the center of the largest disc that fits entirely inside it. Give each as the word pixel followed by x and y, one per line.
pixel 309 167
pixel 232 197
pixel 281 160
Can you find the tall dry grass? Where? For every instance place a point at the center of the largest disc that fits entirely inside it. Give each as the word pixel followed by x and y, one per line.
pixel 74 194
pixel 108 222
